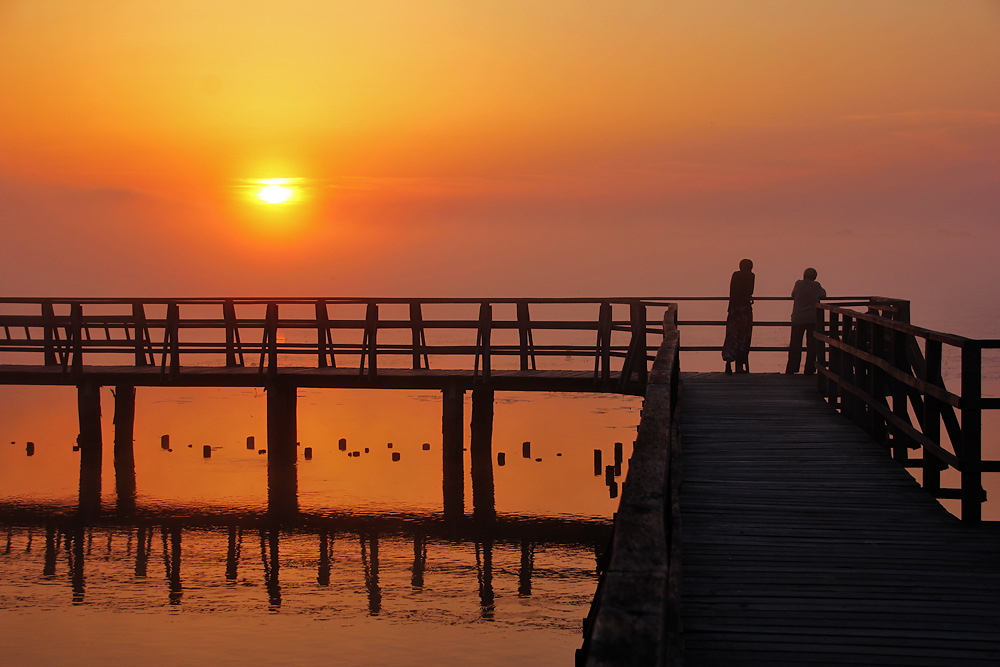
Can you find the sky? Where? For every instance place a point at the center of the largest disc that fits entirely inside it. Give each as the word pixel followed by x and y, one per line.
pixel 503 148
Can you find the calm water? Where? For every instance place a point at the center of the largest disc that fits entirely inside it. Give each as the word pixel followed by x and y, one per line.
pixel 371 575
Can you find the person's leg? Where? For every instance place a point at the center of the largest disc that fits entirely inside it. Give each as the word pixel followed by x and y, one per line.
pixel 812 348
pixel 795 348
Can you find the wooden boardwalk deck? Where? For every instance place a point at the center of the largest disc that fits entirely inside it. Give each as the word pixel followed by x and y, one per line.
pixel 805 544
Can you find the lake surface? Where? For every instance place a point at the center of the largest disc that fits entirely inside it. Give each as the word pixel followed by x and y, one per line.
pixel 369 574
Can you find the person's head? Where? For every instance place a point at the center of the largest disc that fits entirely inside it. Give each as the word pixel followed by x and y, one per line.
pixel 746 265
pixel 809 274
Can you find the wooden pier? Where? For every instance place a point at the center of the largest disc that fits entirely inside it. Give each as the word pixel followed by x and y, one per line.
pixel 450 345
pixel 805 543
pixel 770 519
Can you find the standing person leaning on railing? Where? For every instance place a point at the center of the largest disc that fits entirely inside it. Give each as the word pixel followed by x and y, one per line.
pixel 739 322
pixel 805 295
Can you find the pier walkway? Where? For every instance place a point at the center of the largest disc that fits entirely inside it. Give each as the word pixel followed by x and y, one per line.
pixel 804 543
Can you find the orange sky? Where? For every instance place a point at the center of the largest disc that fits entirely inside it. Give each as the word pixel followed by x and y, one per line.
pixel 500 148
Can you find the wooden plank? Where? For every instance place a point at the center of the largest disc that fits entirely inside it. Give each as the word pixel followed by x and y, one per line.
pixel 805 543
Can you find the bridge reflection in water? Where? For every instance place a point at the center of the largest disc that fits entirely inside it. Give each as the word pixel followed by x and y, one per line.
pixel 202 553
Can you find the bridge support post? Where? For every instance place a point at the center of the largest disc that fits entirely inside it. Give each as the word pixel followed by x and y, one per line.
pixel 481 453
pixel 282 474
pixel 452 458
pixel 91 446
pixel 124 448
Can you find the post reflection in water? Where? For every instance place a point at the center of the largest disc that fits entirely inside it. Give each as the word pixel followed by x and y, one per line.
pixel 172 563
pixel 51 549
pixel 325 547
pixel 370 561
pixel 233 553
pixel 484 572
pixel 143 544
pixel 419 561
pixel 527 565
pixel 269 556
pixel 75 558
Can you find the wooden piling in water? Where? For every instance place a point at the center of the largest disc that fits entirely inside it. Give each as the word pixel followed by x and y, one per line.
pixel 452 458
pixel 481 454
pixel 125 448
pixel 91 446
pixel 282 478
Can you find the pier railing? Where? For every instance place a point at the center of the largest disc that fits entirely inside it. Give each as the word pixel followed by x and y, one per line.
pixel 635 615
pixel 886 375
pixel 612 337
pixel 609 336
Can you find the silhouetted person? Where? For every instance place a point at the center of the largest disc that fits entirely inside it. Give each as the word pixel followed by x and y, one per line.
pixel 739 323
pixel 805 295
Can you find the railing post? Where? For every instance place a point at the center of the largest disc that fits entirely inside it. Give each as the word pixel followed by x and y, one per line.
pixel 76 333
pixel 834 363
pixel 323 335
pixel 232 333
pixel 525 336
pixel 171 343
pixel 932 416
pixel 876 387
pixel 369 345
pixel 971 452
pixel 142 352
pixel 902 313
pixel 418 336
pixel 271 325
pixel 639 325
pixel 483 340
pixel 847 366
pixel 49 332
pixel 635 357
pixel 900 395
pixel 820 352
pixel 602 360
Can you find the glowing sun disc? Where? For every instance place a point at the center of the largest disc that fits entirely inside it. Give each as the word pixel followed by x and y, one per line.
pixel 275 194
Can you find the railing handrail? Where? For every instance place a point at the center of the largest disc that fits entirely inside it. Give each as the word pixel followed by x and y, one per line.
pixel 176 330
pixel 954 340
pixel 622 628
pixel 874 371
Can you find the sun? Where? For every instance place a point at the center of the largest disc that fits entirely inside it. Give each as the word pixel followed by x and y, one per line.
pixel 275 194
pixel 276 190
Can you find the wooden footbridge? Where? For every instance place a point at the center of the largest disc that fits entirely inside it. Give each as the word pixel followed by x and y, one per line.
pixel 765 520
